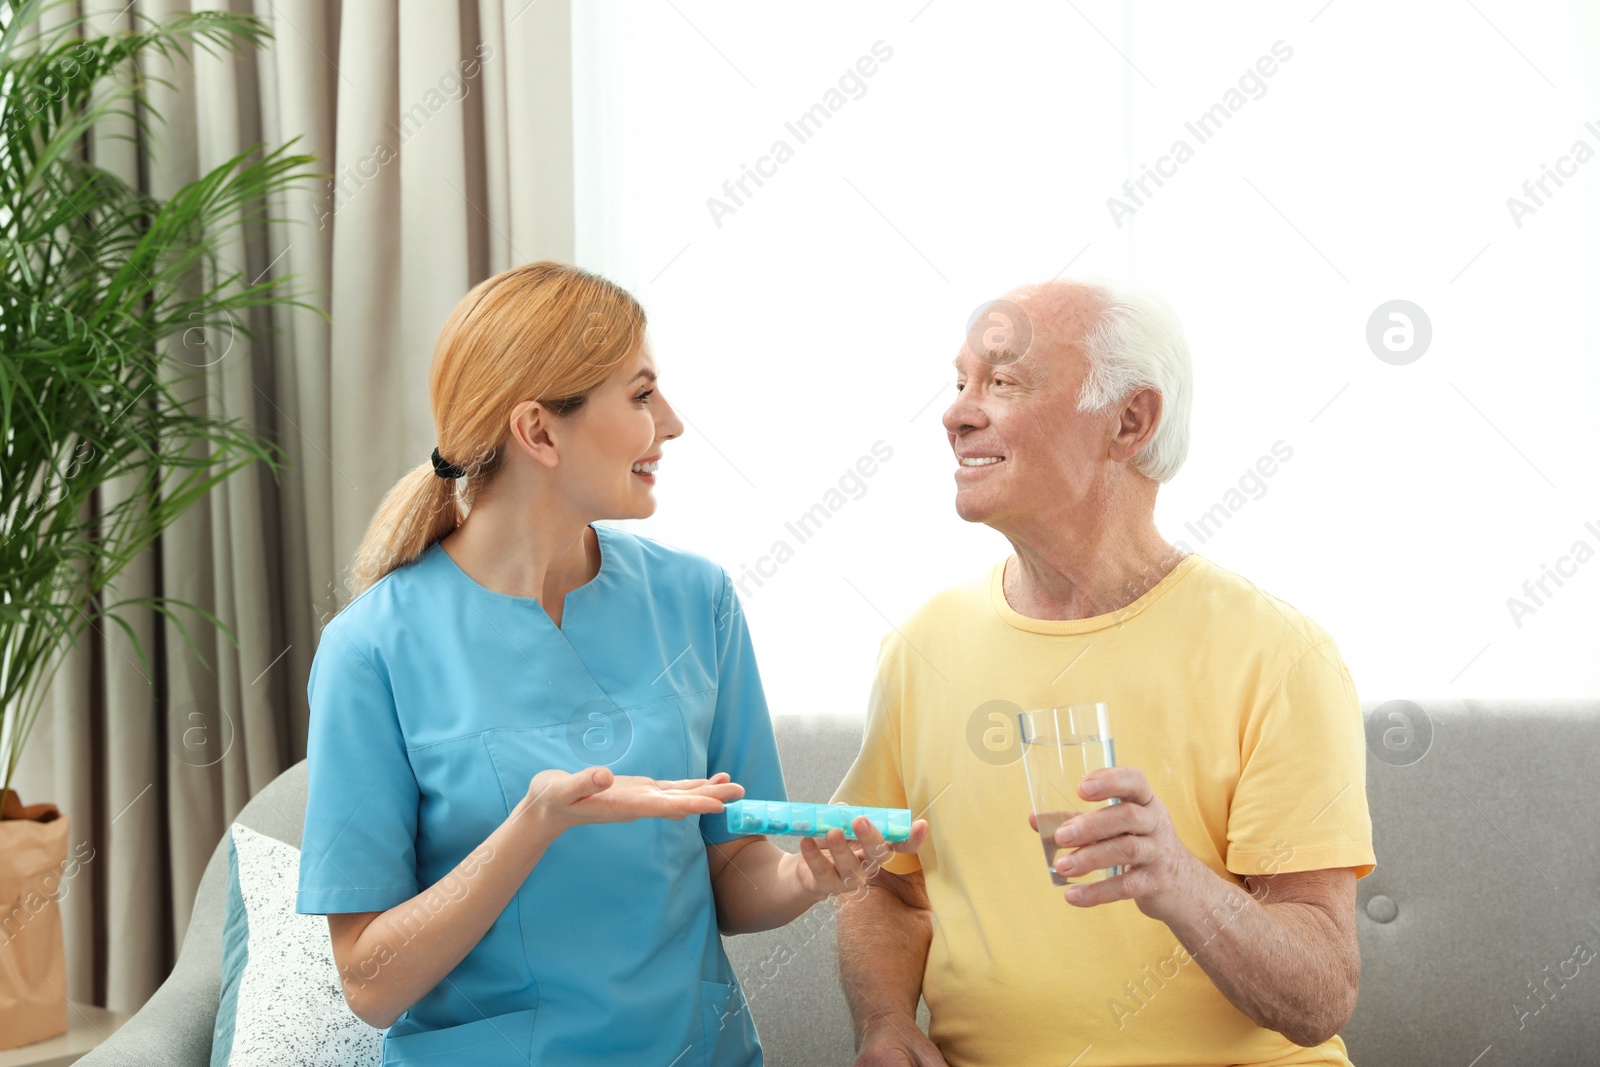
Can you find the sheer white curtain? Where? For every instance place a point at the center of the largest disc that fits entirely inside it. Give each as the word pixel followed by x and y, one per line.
pixel 805 300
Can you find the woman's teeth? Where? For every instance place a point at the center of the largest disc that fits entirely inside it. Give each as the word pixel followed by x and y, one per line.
pixel 646 468
pixel 979 461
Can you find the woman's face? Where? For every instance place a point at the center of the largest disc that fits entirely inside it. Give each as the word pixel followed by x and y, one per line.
pixel 614 441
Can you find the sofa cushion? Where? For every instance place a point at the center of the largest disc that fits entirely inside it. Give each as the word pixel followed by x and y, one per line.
pixel 1480 927
pixel 281 999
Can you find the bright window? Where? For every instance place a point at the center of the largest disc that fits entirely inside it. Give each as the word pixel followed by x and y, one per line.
pixel 811 202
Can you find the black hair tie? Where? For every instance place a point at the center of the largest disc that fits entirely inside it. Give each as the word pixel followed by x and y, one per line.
pixel 443 469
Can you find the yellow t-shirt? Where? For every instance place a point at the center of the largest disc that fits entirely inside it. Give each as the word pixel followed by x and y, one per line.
pixel 1244 718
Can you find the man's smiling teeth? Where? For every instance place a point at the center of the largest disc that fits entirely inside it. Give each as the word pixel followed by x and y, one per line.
pixel 979 461
pixel 646 468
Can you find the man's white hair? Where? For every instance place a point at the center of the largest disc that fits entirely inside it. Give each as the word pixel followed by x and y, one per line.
pixel 1137 343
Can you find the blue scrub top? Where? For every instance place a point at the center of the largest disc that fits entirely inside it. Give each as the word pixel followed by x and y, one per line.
pixel 434 701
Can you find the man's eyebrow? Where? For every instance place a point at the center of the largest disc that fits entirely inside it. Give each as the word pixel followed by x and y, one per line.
pixel 1003 358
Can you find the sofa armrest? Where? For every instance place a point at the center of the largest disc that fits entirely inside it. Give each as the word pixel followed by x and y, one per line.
pixel 174 1027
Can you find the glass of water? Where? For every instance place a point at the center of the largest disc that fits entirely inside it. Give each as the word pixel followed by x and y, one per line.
pixel 1059 747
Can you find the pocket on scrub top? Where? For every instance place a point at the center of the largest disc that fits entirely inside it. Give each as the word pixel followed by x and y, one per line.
pixel 519 754
pixel 730 1033
pixel 698 712
pixel 500 1041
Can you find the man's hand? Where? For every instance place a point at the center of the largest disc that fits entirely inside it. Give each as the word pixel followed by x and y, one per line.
pixel 1291 963
pixel 1136 835
pixel 889 1043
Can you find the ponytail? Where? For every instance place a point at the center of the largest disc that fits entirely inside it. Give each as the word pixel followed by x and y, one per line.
pixel 420 509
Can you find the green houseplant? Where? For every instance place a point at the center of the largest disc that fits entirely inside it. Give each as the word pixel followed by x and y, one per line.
pixel 108 298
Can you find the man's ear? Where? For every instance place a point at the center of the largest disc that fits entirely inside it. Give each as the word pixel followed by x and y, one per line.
pixel 532 428
pixel 1136 424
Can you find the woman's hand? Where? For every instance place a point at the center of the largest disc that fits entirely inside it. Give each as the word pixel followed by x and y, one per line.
pixel 434 930
pixel 595 795
pixel 759 886
pixel 844 865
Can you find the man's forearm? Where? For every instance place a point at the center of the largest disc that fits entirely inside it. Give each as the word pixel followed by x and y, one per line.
pixel 883 951
pixel 1283 963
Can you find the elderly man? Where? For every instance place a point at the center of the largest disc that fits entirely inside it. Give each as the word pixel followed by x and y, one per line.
pixel 1229 935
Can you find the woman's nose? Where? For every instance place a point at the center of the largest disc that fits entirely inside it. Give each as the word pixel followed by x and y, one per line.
pixel 668 425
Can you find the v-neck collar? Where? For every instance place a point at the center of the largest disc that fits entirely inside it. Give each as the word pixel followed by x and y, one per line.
pixel 462 580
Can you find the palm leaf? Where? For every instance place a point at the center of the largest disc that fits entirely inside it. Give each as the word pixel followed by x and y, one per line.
pixel 101 289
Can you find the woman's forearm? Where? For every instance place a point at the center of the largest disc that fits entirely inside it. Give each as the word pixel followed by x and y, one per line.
pixel 755 886
pixel 389 960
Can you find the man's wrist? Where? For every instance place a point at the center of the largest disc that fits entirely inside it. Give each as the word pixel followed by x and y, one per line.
pixel 898 1026
pixel 1192 894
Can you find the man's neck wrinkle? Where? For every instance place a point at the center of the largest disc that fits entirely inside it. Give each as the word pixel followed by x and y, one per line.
pixel 1072 588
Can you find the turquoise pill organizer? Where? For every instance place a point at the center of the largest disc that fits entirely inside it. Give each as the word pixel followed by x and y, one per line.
pixel 783 818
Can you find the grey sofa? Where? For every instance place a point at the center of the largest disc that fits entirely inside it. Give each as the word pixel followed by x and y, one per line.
pixel 1473 928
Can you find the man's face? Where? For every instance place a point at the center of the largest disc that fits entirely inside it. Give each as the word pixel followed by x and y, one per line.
pixel 1025 453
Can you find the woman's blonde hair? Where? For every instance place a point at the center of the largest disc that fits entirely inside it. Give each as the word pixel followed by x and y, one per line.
pixel 544 331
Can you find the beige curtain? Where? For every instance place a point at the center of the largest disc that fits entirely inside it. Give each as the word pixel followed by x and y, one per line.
pixel 445 130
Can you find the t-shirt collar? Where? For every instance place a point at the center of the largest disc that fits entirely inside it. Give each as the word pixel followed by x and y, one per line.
pixel 1011 617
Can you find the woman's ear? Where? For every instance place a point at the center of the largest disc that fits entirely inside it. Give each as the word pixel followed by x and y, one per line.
pixel 530 428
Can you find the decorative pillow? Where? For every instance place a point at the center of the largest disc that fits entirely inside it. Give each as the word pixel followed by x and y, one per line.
pixel 281 1000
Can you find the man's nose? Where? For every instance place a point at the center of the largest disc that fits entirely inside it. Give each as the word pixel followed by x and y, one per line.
pixel 963 414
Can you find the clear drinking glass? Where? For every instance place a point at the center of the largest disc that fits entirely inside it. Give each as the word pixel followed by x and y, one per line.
pixel 1059 746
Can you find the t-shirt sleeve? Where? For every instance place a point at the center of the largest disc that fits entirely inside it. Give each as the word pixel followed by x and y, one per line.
pixel 742 742
pixel 1301 801
pixel 876 779
pixel 359 848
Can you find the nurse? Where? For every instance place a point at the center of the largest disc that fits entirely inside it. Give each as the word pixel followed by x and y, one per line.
pixel 524 726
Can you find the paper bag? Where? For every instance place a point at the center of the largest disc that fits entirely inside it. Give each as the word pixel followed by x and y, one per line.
pixel 33 957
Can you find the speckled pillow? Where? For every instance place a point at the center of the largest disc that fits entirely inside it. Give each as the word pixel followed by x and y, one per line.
pixel 281 1001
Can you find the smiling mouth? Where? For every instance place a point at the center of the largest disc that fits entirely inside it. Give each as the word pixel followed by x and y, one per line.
pixel 981 461
pixel 647 467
